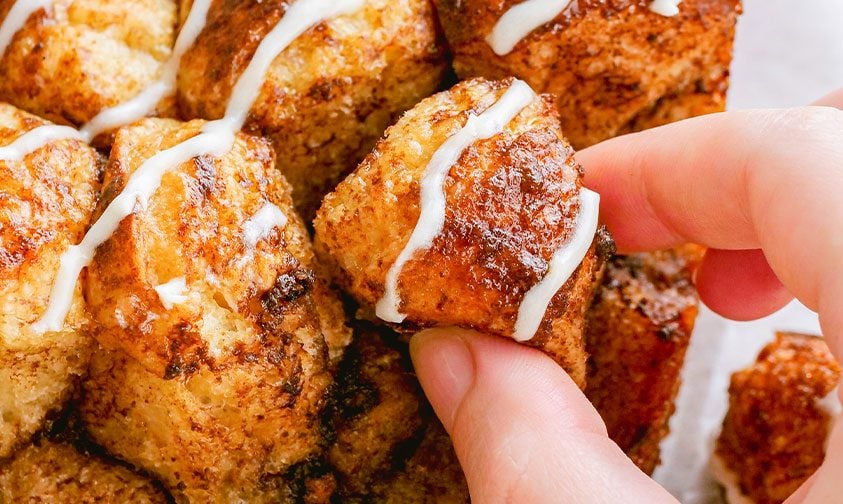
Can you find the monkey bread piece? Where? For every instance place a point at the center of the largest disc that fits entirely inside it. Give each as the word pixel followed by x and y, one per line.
pixel 48 471
pixel 389 446
pixel 615 66
pixel 638 330
pixel 330 95
pixel 511 201
pixel 46 202
pixel 214 367
pixel 781 410
pixel 77 57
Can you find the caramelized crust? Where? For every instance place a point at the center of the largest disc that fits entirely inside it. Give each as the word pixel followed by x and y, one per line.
pixel 389 445
pixel 53 472
pixel 46 202
pixel 638 331
pixel 511 202
pixel 222 391
pixel 330 95
pixel 774 433
pixel 614 65
pixel 81 56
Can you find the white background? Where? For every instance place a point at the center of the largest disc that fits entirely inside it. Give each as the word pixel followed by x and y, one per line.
pixel 787 53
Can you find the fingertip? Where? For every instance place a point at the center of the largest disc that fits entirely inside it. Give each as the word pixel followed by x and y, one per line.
pixel 445 368
pixel 740 284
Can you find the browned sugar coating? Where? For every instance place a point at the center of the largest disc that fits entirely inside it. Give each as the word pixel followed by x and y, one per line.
pixel 46 202
pixel 774 432
pixel 389 445
pixel 613 65
pixel 638 330
pixel 327 97
pixel 511 203
pixel 223 391
pixel 81 56
pixel 52 472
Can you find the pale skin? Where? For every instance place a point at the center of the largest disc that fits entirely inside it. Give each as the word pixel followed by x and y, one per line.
pixel 764 190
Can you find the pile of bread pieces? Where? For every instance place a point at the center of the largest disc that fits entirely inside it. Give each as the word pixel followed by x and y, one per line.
pixel 237 239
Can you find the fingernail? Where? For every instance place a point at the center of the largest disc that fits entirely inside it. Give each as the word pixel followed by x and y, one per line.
pixel 445 367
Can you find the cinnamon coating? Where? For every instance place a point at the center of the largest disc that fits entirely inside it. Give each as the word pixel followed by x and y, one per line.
pixel 613 65
pixel 509 207
pixel 222 391
pixel 79 57
pixel 330 95
pixel 774 434
pixel 46 203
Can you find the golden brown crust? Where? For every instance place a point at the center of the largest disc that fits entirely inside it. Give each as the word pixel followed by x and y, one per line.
pixel 638 331
pixel 327 97
pixel 53 472
pixel 389 446
pixel 46 202
pixel 224 390
pixel 774 433
pixel 510 205
pixel 378 408
pixel 81 56
pixel 614 65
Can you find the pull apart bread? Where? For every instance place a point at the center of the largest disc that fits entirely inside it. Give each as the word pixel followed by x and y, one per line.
pixel 638 330
pixel 615 66
pixel 425 236
pixel 46 203
pixel 329 97
pixel 781 412
pixel 170 297
pixel 79 57
pixel 213 369
pixel 62 466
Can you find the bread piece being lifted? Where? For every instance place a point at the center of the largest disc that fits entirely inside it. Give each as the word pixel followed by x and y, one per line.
pixel 615 66
pixel 214 366
pixel 471 212
pixel 47 198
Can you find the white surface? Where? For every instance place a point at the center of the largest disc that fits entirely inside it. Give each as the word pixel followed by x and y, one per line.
pixel 787 53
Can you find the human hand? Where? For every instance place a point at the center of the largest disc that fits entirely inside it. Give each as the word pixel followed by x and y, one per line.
pixel 763 190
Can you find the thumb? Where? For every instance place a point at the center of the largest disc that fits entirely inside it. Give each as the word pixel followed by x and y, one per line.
pixel 521 428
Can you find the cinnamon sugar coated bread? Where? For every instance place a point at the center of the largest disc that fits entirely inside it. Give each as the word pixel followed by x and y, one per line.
pixel 614 66
pixel 779 418
pixel 639 328
pixel 214 281
pixel 49 471
pixel 69 62
pixel 511 202
pixel 330 95
pixel 46 203
pixel 223 388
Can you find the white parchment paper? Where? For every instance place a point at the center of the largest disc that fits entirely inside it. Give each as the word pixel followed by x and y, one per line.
pixel 787 53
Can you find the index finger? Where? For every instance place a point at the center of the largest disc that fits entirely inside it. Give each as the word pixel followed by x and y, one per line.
pixel 768 179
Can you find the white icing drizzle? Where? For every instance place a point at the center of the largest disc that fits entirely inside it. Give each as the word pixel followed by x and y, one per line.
pixel 562 265
pixel 215 139
pixel 16 18
pixel 262 223
pixel 432 200
pixel 666 8
pixel 113 117
pixel 521 19
pixel 172 293
pixel 145 102
pixel 35 139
